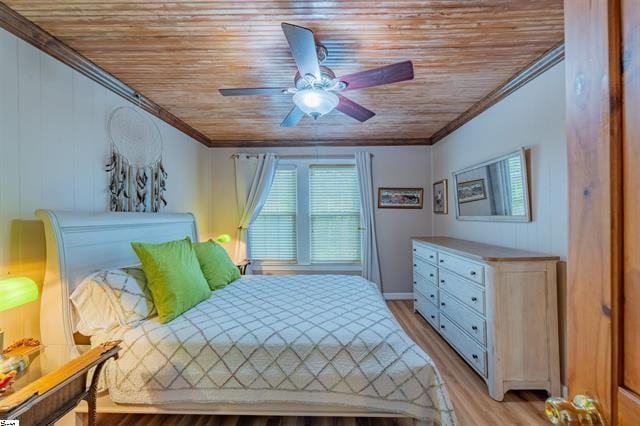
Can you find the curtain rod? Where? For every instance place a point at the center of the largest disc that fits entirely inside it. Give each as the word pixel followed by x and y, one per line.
pixel 312 157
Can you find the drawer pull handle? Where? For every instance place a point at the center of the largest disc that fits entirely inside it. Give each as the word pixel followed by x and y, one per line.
pixel 474 356
pixel 474 328
pixel 442 304
pixel 414 249
pixel 432 296
pixel 442 281
pixel 430 256
pixel 431 275
pixel 433 317
pixel 474 299
pixel 414 265
pixel 442 326
pixel 415 282
pixel 441 260
pixel 473 272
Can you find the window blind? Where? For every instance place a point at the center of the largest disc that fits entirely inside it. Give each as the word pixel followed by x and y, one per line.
pixel 516 169
pixel 334 208
pixel 272 235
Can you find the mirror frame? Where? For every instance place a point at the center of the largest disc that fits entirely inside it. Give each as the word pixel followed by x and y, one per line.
pixel 527 202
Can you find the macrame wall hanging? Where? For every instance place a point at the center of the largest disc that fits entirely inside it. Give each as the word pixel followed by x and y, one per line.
pixel 137 179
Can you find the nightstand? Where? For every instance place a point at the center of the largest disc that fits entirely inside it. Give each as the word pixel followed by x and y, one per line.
pixel 242 266
pixel 55 382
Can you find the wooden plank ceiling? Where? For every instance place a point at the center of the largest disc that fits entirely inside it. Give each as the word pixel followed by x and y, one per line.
pixel 178 53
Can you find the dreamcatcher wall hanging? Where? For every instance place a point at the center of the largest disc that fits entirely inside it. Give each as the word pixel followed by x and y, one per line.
pixel 137 179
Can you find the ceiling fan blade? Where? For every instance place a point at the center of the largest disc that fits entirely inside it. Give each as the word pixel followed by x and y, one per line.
pixel 393 73
pixel 353 109
pixel 294 116
pixel 253 91
pixel 303 49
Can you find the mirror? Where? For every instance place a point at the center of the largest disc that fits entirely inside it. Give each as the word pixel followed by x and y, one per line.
pixel 495 190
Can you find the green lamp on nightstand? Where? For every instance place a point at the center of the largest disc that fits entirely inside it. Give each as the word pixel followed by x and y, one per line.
pixel 16 292
pixel 223 238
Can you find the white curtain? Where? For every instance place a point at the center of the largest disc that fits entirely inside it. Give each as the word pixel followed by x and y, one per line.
pixel 370 261
pixel 254 176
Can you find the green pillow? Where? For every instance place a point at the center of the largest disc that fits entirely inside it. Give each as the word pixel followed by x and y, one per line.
pixel 173 276
pixel 216 265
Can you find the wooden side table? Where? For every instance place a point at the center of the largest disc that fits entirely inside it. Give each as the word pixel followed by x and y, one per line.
pixel 55 383
pixel 242 266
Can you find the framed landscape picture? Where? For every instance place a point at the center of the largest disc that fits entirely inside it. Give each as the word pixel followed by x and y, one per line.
pixel 400 198
pixel 472 190
pixel 440 197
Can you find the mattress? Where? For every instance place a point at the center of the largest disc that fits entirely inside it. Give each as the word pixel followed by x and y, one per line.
pixel 308 339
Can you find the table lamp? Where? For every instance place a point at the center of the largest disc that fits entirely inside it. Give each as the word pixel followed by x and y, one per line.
pixel 16 292
pixel 223 238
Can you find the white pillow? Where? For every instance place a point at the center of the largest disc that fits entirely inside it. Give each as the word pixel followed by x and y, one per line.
pixel 111 298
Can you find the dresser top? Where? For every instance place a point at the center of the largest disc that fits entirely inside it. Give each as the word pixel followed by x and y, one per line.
pixel 481 251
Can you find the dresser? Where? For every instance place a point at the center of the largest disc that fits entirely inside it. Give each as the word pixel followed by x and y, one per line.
pixel 497 307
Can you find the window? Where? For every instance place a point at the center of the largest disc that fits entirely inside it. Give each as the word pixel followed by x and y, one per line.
pixel 273 234
pixel 516 183
pixel 311 217
pixel 334 205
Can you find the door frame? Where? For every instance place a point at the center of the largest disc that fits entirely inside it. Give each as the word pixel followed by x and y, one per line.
pixel 595 143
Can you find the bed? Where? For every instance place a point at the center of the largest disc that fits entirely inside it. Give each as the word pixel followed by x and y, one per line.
pixel 276 345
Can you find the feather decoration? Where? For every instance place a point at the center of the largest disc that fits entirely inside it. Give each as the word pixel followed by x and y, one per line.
pixel 135 189
pixel 137 177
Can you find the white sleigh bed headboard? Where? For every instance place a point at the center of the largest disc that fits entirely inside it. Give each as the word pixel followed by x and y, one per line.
pixel 79 244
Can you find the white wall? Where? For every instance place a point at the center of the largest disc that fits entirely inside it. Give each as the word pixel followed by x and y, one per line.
pixel 53 149
pixel 533 117
pixel 392 167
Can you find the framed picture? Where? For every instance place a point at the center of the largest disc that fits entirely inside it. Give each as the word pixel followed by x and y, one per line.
pixel 400 198
pixel 471 190
pixel 440 197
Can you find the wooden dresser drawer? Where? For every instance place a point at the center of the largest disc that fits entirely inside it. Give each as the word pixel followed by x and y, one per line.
pixel 470 350
pixel 469 294
pixel 473 324
pixel 425 269
pixel 425 252
pixel 462 267
pixel 427 289
pixel 428 310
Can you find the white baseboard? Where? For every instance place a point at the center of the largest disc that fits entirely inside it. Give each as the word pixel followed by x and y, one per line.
pixel 398 296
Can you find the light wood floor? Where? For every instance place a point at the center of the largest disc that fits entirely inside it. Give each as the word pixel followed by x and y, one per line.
pixel 468 393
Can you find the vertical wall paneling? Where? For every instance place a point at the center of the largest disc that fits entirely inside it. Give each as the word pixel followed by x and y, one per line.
pixel 53 148
pixel 9 151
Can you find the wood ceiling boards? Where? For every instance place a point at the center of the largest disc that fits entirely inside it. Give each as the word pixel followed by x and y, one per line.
pixel 179 53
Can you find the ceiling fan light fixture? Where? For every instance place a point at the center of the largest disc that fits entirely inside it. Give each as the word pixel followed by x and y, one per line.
pixel 315 102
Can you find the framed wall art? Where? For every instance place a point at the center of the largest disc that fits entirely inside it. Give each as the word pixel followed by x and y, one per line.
pixel 440 197
pixel 400 198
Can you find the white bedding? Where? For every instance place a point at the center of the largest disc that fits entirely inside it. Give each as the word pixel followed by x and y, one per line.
pixel 314 339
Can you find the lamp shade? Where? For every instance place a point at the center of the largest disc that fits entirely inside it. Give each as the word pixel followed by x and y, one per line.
pixel 223 238
pixel 17 291
pixel 315 102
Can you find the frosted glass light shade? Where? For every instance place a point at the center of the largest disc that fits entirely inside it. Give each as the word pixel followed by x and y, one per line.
pixel 17 291
pixel 315 102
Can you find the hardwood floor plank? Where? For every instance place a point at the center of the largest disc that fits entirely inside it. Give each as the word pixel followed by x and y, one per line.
pixel 467 390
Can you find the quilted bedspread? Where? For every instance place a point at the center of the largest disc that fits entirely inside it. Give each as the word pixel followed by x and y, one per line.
pixel 313 339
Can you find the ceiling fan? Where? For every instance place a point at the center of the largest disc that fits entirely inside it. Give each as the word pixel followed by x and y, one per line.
pixel 317 90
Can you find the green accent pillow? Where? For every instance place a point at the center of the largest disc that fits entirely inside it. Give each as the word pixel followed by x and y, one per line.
pixel 173 276
pixel 216 265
